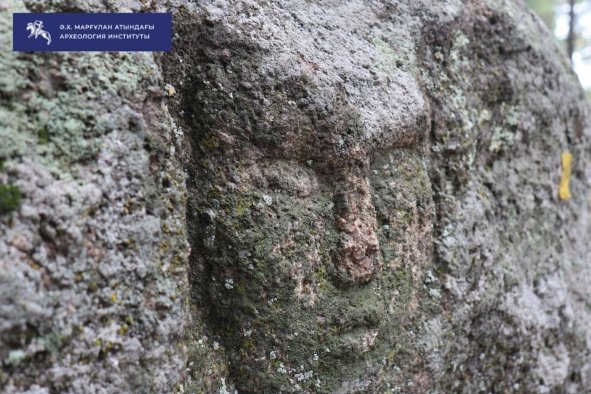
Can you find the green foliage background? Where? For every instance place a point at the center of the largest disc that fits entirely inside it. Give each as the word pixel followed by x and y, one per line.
pixel 548 12
pixel 546 9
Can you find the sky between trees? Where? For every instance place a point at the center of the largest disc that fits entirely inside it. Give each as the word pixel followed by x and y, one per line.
pixel 557 16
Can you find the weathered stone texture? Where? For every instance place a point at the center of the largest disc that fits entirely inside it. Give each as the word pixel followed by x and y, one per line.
pixel 93 289
pixel 369 188
pixel 380 179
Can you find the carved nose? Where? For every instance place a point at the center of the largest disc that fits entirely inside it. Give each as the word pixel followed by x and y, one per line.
pixel 359 252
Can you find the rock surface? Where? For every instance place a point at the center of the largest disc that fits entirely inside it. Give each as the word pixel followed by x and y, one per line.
pixel 93 284
pixel 369 190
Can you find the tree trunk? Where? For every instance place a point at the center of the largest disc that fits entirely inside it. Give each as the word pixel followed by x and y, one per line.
pixel 571 38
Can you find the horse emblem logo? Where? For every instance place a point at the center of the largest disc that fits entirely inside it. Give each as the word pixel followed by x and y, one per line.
pixel 36 29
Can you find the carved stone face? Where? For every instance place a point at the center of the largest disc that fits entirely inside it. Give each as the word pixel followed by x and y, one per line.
pixel 313 202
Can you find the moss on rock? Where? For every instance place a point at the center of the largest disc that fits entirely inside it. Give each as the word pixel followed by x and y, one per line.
pixel 10 198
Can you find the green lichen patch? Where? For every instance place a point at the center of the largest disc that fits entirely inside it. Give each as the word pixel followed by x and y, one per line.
pixel 44 136
pixel 10 198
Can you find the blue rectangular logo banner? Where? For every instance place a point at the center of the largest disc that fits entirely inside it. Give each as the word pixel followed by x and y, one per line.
pixel 92 32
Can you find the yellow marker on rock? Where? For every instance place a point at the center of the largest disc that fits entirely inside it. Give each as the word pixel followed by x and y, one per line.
pixel 563 191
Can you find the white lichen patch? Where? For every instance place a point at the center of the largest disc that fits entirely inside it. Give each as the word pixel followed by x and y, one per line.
pixel 229 284
pixel 369 339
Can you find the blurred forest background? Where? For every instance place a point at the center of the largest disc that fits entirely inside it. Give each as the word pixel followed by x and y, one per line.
pixel 570 21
